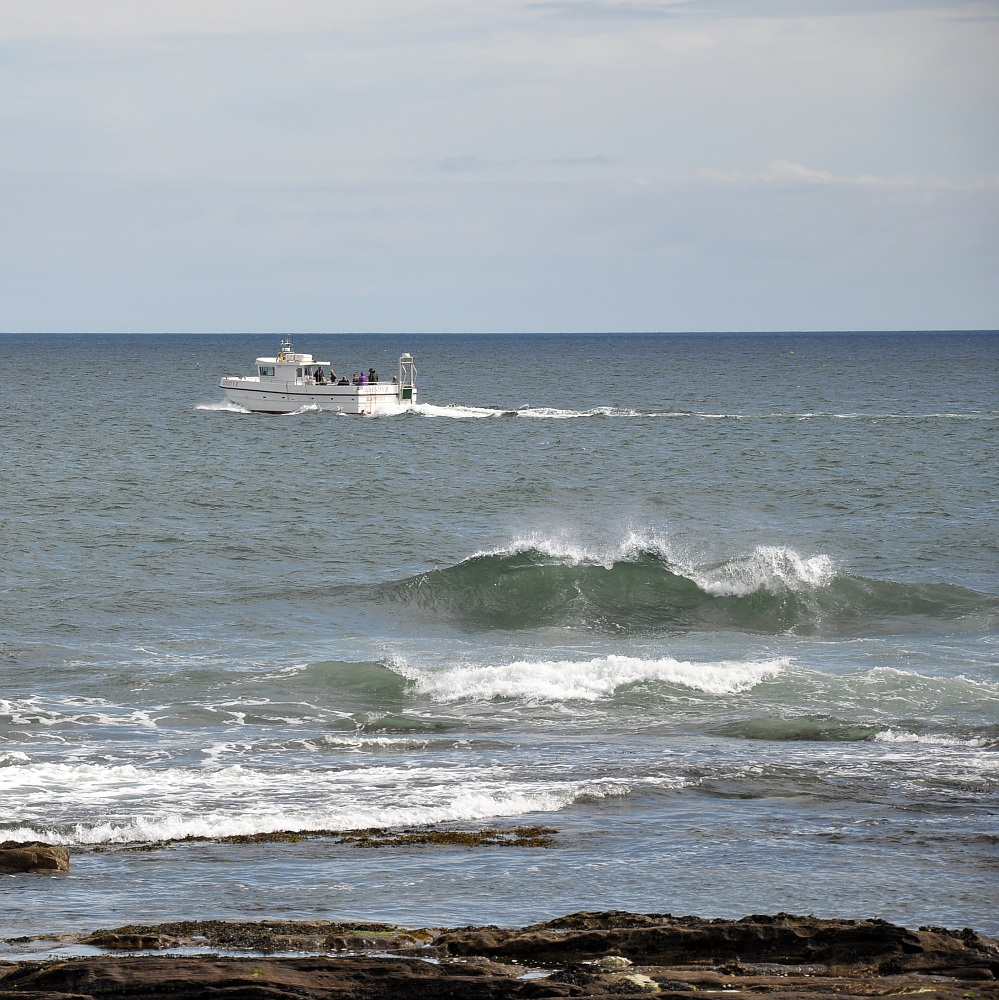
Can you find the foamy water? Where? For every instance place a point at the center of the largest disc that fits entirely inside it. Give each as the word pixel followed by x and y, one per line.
pixel 590 680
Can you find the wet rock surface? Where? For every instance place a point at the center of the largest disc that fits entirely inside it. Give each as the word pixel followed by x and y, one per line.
pixel 582 955
pixel 518 836
pixel 263 936
pixel 33 858
pixel 661 939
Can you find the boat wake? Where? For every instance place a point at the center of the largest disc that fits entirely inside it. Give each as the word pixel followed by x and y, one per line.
pixel 458 411
pixel 223 406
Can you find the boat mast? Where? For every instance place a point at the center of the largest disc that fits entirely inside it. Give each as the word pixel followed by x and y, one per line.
pixel 407 378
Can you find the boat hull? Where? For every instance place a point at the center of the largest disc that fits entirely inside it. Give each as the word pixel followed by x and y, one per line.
pixel 360 400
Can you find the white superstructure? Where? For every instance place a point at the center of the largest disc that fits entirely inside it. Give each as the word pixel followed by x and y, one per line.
pixel 291 380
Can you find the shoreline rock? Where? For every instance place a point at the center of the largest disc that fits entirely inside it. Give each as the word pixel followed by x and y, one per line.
pixel 588 954
pixel 661 939
pixel 32 857
pixel 370 837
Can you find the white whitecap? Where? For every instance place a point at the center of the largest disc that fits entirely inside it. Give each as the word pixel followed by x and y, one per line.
pixel 127 804
pixel 587 680
pixel 775 568
pixel 929 739
pixel 768 567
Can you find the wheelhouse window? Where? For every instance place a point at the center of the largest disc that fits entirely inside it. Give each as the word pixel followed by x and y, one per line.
pixel 266 369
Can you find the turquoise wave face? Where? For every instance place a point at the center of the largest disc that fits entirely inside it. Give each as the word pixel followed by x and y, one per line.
pixel 647 593
pixel 806 728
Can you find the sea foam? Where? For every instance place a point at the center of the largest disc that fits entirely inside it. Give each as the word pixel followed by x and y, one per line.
pixel 774 568
pixel 932 739
pixel 588 680
pixel 768 567
pixel 223 406
pixel 125 804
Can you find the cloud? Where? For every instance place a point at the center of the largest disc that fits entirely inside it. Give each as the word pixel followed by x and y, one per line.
pixel 111 19
pixel 784 170
pixel 607 10
pixel 622 10
pixel 785 173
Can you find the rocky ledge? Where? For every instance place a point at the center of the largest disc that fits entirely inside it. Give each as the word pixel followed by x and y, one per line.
pixel 582 955
pixel 34 857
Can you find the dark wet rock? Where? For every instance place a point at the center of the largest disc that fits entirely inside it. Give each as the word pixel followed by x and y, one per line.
pixel 662 940
pixel 518 836
pixel 597 981
pixel 581 955
pixel 275 979
pixel 264 936
pixel 32 857
pixel 43 995
pixel 584 920
pixel 133 942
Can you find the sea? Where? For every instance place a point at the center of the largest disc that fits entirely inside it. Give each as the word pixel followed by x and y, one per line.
pixel 720 611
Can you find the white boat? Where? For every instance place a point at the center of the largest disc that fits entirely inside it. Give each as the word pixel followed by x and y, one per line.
pixel 291 380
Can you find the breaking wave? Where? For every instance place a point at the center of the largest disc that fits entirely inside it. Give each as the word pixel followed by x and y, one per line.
pixel 127 804
pixel 642 587
pixel 587 680
pixel 935 739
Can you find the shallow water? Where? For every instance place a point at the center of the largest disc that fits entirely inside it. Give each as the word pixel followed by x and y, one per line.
pixel 720 609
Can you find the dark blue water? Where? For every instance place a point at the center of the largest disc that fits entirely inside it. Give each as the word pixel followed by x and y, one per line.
pixel 720 609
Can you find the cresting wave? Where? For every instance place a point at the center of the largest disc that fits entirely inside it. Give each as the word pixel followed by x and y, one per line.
pixel 587 680
pixel 643 587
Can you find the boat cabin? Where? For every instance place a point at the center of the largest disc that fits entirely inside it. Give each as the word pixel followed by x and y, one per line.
pixel 298 369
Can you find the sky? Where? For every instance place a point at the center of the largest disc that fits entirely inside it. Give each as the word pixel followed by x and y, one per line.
pixel 498 165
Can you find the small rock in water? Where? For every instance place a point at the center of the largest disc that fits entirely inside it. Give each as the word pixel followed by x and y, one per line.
pixel 642 983
pixel 36 858
pixel 613 962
